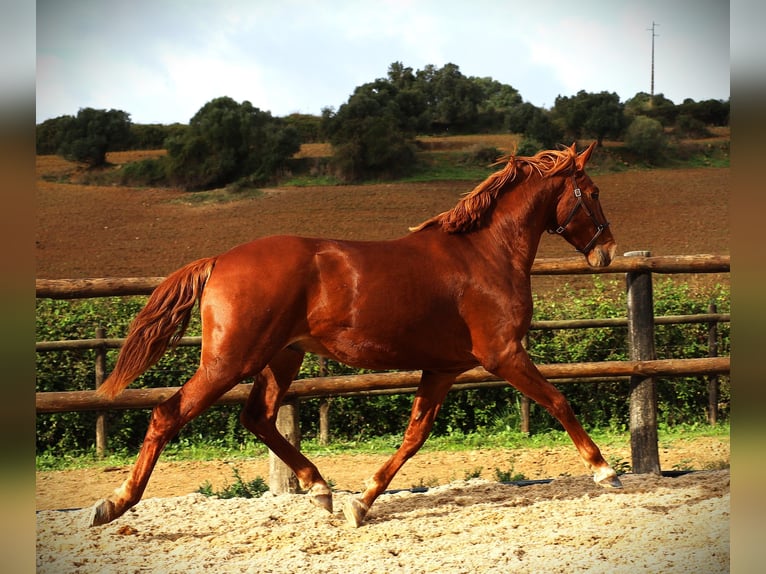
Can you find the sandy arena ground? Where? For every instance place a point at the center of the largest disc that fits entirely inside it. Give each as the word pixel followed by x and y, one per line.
pixel 568 525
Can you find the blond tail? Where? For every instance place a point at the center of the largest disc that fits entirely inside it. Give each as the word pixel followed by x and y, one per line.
pixel 161 323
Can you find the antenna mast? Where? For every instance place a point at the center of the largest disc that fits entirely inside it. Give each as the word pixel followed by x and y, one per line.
pixel 653 37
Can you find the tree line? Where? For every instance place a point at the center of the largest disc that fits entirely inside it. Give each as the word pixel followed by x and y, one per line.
pixel 373 134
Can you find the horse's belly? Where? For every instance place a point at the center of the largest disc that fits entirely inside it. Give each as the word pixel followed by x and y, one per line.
pixel 402 353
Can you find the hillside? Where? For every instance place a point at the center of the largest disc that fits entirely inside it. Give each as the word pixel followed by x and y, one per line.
pixel 111 231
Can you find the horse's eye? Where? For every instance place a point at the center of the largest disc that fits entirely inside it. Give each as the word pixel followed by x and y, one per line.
pixel 594 195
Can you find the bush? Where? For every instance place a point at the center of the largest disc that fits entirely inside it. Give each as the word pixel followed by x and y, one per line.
pixel 144 173
pixel 227 141
pixel 87 137
pixel 239 489
pixel 541 128
pixel 646 138
pixel 529 147
pixel 482 155
pixel 680 400
pixel 690 127
pixel 370 134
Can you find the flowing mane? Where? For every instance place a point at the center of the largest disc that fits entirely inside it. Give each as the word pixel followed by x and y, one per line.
pixel 470 211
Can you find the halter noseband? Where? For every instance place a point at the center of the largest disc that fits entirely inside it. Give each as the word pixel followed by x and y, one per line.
pixel 580 203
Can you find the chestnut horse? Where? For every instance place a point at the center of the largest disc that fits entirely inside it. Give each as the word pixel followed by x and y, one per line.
pixel 449 296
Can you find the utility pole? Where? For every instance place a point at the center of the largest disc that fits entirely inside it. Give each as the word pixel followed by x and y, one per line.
pixel 653 37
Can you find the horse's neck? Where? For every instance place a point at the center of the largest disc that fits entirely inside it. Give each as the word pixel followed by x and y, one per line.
pixel 518 223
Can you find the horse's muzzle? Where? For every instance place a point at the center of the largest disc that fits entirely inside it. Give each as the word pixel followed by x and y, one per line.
pixel 601 255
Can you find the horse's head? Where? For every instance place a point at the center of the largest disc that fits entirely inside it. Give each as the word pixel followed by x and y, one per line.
pixel 579 218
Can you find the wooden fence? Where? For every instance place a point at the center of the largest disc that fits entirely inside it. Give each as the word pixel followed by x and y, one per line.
pixel 640 371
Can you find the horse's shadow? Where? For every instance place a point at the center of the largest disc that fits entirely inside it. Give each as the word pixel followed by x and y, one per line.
pixel 440 502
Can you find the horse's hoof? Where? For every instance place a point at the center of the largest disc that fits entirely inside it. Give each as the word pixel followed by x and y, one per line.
pixel 321 496
pixel 102 513
pixel 611 482
pixel 607 478
pixel 355 510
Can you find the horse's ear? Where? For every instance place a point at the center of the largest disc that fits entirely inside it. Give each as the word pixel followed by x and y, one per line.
pixel 583 158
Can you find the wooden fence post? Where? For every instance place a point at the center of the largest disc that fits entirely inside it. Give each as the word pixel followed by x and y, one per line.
pixel 525 403
pixel 101 439
pixel 324 408
pixel 324 421
pixel 712 380
pixel 281 477
pixel 643 389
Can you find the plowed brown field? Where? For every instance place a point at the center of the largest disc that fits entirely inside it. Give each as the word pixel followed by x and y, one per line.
pixel 92 231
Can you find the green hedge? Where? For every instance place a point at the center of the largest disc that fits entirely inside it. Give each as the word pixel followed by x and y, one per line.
pixel 598 405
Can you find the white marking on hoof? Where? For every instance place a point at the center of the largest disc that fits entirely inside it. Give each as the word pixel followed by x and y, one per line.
pixel 101 513
pixel 321 496
pixel 607 478
pixel 355 510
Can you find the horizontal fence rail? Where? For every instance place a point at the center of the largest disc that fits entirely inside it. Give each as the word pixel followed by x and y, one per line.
pixel 85 288
pixel 403 382
pixel 116 343
pixel 638 371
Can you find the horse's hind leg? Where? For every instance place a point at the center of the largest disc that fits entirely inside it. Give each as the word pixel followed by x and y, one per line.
pixel 167 419
pixel 432 390
pixel 259 417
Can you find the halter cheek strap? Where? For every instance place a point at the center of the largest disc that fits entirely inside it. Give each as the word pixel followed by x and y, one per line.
pixel 581 204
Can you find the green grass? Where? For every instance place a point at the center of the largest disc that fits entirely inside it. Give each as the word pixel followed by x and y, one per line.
pixel 238 489
pixel 186 451
pixel 310 181
pixel 447 166
pixel 224 195
pixel 703 160
pixel 432 166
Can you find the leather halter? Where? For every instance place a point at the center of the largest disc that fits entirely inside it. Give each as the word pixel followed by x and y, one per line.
pixel 581 204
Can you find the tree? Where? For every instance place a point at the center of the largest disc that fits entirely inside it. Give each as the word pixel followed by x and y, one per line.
pixel 709 112
pixel 92 133
pixel 543 130
pixel 658 107
pixel 571 112
pixel 401 76
pixel 307 125
pixel 638 105
pixel 497 103
pixel 372 133
pixel 597 115
pixel 646 137
pixel 153 136
pixel 227 141
pixel 605 117
pixel 452 100
pixel 520 116
pixel 49 135
pixel 409 96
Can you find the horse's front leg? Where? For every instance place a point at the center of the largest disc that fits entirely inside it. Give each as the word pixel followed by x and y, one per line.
pixel 259 417
pixel 514 365
pixel 431 393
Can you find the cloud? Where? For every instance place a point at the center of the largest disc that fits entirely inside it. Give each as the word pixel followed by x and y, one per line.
pixel 161 61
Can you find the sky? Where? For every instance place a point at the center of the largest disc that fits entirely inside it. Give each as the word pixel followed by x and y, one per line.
pixel 162 60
